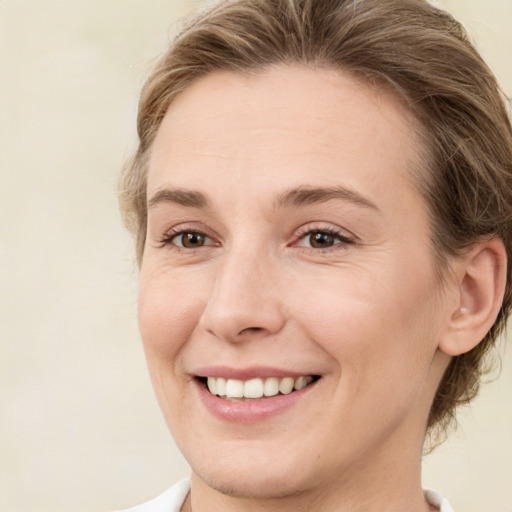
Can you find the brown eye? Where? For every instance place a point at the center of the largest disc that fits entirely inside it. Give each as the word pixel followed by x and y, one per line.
pixel 190 240
pixel 322 240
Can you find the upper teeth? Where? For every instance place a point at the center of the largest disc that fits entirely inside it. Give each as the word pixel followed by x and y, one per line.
pixel 256 388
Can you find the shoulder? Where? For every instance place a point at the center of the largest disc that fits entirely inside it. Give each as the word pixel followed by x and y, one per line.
pixel 434 498
pixel 169 501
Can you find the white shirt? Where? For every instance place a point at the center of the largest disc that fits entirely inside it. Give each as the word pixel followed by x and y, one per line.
pixel 172 500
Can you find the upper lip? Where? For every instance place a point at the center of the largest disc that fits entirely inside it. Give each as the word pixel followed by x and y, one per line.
pixel 251 372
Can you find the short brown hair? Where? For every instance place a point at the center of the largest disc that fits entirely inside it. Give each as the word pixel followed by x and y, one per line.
pixel 408 45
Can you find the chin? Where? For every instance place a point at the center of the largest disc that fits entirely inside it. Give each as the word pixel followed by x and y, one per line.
pixel 253 484
pixel 251 469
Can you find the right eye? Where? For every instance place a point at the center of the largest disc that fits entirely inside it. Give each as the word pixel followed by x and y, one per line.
pixel 189 239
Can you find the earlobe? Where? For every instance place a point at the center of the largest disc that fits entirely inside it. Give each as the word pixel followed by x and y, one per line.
pixel 482 278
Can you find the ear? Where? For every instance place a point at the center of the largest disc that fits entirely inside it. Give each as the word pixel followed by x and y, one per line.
pixel 481 278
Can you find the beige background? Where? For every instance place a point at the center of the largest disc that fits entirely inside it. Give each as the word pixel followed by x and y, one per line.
pixel 79 427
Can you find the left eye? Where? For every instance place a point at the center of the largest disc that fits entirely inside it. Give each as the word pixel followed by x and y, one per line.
pixel 322 239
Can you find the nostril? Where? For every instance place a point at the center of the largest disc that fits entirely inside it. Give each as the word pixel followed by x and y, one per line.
pixel 250 329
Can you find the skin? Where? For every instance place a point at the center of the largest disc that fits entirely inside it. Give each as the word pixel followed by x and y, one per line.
pixel 367 313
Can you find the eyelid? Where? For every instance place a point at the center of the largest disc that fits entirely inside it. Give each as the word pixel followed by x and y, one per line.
pixel 327 227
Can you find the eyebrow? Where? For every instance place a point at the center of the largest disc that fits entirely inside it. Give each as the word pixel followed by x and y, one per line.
pixel 182 197
pixel 302 196
pixel 306 196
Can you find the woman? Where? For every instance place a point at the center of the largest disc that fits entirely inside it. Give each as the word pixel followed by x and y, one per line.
pixel 322 200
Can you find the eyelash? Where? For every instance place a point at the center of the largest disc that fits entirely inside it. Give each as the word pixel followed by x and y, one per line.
pixel 343 240
pixel 174 233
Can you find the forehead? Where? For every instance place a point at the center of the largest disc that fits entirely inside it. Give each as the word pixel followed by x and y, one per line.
pixel 273 119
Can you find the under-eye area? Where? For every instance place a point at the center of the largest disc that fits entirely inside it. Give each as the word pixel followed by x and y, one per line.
pixel 234 389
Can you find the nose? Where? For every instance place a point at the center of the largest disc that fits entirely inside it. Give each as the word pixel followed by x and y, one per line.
pixel 244 300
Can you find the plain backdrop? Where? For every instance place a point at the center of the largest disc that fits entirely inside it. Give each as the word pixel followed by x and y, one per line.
pixel 79 427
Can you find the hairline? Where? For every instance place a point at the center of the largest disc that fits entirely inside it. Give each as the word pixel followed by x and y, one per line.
pixel 373 80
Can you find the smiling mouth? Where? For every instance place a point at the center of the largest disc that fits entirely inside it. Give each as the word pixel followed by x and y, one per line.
pixel 253 389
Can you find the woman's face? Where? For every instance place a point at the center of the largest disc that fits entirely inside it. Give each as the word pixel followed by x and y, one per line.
pixel 288 246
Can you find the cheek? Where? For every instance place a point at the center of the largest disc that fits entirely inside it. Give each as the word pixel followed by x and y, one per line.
pixel 377 328
pixel 167 316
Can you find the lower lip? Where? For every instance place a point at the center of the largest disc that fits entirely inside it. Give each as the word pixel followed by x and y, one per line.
pixel 250 411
